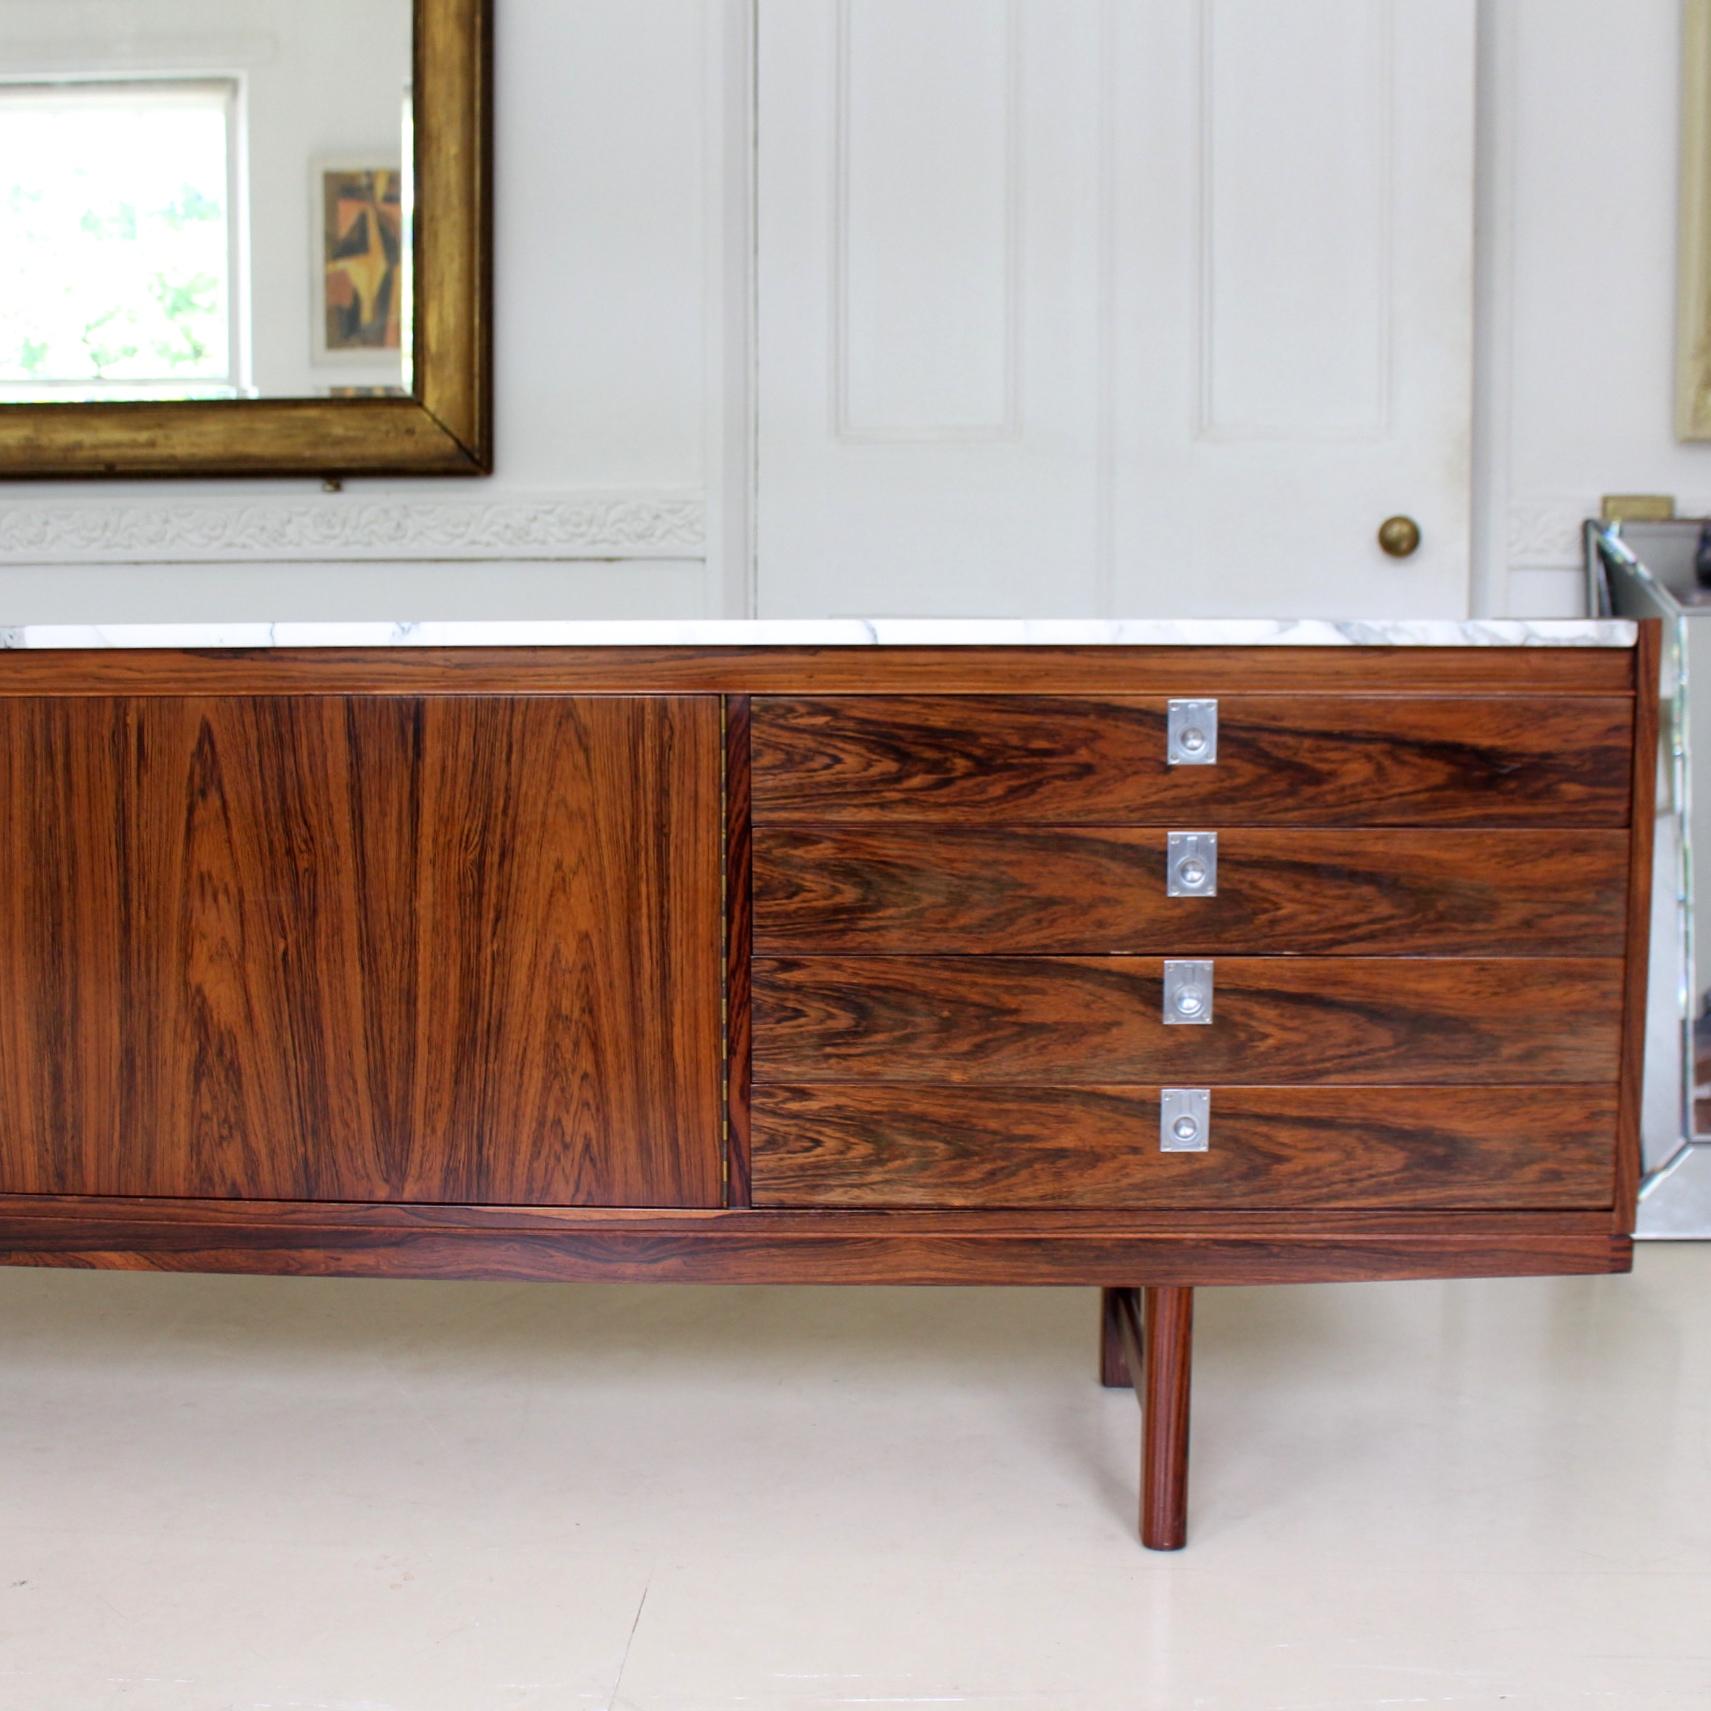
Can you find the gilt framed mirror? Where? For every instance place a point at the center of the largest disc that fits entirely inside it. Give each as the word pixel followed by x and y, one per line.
pixel 245 238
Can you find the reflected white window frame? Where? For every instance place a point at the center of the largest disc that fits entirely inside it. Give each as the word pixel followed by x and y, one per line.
pixel 224 90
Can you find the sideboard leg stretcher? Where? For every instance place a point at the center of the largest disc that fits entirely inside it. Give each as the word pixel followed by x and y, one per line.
pixel 1113 1362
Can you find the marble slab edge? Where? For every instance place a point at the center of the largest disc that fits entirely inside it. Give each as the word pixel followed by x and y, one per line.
pixel 843 632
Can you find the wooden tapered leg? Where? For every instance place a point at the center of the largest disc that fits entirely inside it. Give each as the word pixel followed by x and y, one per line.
pixel 1151 1331
pixel 1167 1334
pixel 1113 1362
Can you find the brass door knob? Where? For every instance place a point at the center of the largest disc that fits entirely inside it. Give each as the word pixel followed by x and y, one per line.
pixel 1399 536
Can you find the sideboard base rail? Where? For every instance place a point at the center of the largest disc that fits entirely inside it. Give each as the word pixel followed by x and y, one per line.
pixel 615 1245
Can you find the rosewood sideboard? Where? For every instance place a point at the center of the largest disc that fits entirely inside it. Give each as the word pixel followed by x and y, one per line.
pixel 1140 956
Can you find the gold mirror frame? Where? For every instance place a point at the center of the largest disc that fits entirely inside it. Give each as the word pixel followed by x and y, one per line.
pixel 1693 229
pixel 445 427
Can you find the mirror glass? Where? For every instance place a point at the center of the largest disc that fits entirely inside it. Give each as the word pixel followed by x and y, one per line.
pixel 204 199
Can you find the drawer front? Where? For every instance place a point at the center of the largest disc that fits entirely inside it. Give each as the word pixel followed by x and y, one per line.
pixel 968 889
pixel 1269 1148
pixel 1292 760
pixel 1092 1020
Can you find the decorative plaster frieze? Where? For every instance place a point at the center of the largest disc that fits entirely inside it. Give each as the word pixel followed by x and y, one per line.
pixel 1544 534
pixel 401 527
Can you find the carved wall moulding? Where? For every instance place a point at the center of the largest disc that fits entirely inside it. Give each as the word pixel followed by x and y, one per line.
pixel 651 524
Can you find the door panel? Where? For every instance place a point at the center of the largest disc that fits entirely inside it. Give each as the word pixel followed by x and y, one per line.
pixel 1294 335
pixel 927 196
pixel 1068 307
pixel 456 949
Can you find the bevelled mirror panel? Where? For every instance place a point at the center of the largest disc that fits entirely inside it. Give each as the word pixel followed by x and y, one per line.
pixel 243 236
pixel 204 199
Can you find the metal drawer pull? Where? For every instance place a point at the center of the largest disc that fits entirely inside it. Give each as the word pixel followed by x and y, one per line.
pixel 1188 992
pixel 1191 733
pixel 1191 864
pixel 1184 1119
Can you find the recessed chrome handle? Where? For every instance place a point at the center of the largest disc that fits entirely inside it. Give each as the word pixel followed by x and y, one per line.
pixel 1191 864
pixel 1191 733
pixel 1187 992
pixel 1184 1119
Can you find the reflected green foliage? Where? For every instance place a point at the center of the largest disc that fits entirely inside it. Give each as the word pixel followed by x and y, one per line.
pixel 120 224
pixel 192 204
pixel 114 226
pixel 101 339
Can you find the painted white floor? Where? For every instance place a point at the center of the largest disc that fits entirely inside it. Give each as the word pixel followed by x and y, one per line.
pixel 226 1494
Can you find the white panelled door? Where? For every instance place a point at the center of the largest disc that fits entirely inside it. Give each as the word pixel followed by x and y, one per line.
pixel 1117 307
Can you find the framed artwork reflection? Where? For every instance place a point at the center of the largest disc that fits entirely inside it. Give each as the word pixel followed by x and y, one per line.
pixel 361 262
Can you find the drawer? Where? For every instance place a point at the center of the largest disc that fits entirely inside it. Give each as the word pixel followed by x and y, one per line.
pixel 973 888
pixel 1360 1148
pixel 1295 760
pixel 1093 1020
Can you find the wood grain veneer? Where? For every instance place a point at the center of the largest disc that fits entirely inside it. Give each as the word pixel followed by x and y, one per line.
pixel 1086 1021
pixel 1646 663
pixel 1286 760
pixel 957 888
pixel 739 950
pixel 620 1245
pixel 456 949
pixel 370 1218
pixel 1507 673
pixel 1098 1147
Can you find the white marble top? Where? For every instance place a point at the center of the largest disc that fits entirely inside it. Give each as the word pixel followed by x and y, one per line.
pixel 848 632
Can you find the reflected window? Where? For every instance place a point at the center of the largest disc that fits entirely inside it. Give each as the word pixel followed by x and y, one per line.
pixel 118 240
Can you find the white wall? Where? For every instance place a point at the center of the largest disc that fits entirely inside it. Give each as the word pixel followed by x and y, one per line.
pixel 621 348
pixel 1577 306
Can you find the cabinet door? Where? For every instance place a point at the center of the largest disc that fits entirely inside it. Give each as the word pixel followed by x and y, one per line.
pixel 361 948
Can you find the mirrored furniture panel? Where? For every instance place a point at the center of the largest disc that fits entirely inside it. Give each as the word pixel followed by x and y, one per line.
pixel 1662 570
